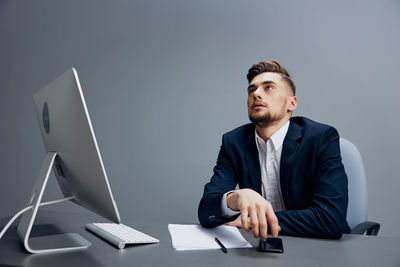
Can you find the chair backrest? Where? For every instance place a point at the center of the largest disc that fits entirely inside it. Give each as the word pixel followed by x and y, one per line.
pixel 357 210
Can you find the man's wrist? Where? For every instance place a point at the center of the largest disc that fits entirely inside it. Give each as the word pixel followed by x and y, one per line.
pixel 231 200
pixel 226 212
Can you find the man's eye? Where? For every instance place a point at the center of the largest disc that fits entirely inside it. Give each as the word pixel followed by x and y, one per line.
pixel 251 90
pixel 268 87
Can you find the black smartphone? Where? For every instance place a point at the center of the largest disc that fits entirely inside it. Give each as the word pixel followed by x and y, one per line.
pixel 271 245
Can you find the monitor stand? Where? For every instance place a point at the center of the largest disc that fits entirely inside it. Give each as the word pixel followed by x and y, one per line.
pixel 50 243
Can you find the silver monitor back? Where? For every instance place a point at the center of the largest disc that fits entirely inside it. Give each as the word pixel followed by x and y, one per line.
pixel 66 129
pixel 74 156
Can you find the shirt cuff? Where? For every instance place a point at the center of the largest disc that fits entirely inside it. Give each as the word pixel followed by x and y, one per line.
pixel 226 212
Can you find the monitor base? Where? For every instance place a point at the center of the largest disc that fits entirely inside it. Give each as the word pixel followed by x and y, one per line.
pixel 50 243
pixel 57 243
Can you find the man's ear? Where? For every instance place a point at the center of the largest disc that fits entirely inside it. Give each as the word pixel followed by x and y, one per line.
pixel 292 105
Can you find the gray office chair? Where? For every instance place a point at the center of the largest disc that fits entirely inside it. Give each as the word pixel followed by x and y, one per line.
pixel 357 209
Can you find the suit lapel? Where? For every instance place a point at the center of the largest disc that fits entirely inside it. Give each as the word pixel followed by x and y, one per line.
pixel 290 148
pixel 251 154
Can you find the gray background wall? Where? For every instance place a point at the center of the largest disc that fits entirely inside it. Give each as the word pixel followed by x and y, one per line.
pixel 164 80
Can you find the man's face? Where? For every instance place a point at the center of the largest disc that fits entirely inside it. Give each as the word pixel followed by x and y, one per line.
pixel 270 99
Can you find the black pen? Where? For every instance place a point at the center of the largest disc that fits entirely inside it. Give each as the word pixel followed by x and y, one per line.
pixel 223 248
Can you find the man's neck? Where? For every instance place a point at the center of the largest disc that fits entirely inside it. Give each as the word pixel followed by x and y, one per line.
pixel 265 131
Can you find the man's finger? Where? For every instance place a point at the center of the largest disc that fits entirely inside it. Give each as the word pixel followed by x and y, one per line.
pixel 244 219
pixel 236 223
pixel 254 222
pixel 272 220
pixel 262 224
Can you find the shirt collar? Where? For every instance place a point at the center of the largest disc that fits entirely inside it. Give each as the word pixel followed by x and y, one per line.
pixel 276 139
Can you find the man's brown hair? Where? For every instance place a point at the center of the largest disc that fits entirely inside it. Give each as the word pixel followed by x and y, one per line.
pixel 271 66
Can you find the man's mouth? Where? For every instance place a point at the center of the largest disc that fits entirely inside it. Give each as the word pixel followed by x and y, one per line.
pixel 258 105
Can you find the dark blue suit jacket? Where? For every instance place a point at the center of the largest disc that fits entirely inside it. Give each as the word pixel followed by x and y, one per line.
pixel 312 178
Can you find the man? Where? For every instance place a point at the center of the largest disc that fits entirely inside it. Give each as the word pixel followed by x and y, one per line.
pixel 289 170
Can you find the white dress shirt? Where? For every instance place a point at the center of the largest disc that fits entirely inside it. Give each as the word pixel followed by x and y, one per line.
pixel 269 154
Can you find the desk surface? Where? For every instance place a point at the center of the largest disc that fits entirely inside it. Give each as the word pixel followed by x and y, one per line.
pixel 351 250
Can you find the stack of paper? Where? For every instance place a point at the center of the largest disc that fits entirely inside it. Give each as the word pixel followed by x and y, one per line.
pixel 196 237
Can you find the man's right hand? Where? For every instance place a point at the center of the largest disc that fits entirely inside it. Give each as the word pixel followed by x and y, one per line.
pixel 255 212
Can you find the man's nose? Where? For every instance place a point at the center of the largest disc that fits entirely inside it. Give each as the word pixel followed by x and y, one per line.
pixel 257 93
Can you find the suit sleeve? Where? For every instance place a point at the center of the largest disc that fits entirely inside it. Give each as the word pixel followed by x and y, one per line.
pixel 223 180
pixel 326 217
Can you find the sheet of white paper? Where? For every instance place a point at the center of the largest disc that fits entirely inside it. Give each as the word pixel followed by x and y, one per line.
pixel 196 237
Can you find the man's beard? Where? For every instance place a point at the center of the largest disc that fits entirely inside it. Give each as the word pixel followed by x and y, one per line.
pixel 264 119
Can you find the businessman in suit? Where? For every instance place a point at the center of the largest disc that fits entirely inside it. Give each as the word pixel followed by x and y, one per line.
pixel 289 170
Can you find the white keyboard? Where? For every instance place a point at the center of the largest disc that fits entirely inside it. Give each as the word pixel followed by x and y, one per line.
pixel 119 235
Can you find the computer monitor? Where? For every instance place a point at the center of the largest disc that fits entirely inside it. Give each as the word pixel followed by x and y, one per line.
pixel 74 157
